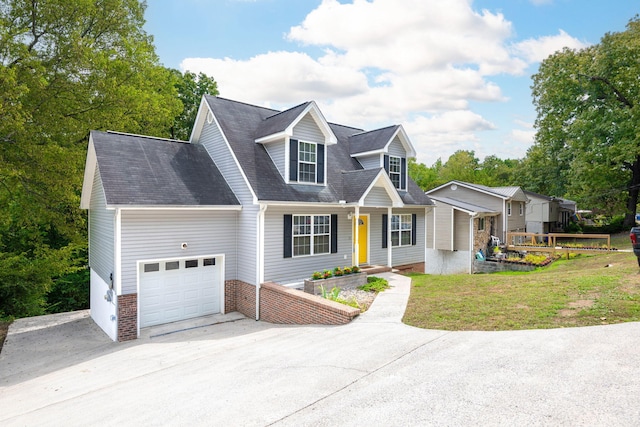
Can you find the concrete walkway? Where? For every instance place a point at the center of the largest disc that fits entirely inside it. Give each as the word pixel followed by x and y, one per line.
pixel 373 371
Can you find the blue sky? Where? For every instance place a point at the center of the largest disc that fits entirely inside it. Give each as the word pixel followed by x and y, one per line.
pixel 455 73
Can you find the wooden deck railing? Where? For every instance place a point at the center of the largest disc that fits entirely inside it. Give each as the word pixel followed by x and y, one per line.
pixel 549 242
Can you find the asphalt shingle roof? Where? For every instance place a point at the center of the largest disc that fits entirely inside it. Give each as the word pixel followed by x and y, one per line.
pixel 371 141
pixel 243 123
pixel 469 207
pixel 144 171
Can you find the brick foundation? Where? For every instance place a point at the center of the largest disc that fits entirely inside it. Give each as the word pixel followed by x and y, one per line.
pixel 243 296
pixel 417 267
pixel 127 317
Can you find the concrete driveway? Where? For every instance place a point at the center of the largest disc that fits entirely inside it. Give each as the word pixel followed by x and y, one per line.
pixel 374 371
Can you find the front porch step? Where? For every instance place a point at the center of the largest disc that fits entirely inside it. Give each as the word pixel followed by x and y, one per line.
pixel 374 269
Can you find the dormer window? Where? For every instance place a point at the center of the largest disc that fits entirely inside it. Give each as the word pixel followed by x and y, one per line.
pixel 306 162
pixel 395 171
pixel 396 167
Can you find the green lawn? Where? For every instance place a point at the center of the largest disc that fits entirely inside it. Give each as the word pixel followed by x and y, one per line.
pixel 578 292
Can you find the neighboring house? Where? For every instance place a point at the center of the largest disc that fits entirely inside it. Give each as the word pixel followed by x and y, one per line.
pixel 186 229
pixel 510 202
pixel 547 214
pixel 459 231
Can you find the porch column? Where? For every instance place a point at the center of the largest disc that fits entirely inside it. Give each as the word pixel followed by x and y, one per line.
pixel 356 246
pixel 390 244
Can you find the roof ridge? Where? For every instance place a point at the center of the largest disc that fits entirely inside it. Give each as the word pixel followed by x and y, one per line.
pixel 114 132
pixel 373 130
pixel 242 102
pixel 287 110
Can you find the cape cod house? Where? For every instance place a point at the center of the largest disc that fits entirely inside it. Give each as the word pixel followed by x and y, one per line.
pixel 185 229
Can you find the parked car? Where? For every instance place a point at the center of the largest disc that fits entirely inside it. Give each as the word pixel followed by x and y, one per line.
pixel 634 234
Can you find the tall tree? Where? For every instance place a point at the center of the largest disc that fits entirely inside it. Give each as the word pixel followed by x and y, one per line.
pixel 588 139
pixel 66 67
pixel 190 88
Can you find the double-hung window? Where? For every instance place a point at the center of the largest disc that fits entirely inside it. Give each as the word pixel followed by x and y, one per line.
pixel 401 230
pixel 508 208
pixel 521 208
pixel 311 234
pixel 481 224
pixel 307 162
pixel 395 171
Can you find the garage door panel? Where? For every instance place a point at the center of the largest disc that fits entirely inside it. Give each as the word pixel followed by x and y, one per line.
pixel 179 293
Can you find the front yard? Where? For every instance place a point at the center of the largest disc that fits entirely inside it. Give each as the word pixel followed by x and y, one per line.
pixel 586 290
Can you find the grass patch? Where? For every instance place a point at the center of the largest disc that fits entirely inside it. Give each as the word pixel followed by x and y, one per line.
pixel 582 291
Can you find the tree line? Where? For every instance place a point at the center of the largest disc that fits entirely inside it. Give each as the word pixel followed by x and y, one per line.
pixel 68 67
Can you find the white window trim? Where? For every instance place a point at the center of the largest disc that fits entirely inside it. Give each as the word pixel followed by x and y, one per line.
pixel 312 235
pixel 481 220
pixel 399 173
pixel 508 208
pixel 402 230
pixel 521 208
pixel 300 162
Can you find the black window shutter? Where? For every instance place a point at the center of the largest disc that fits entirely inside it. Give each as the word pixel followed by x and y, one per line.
pixel 288 236
pixel 385 223
pixel 320 164
pixel 414 226
pixel 293 160
pixel 334 233
pixel 386 163
pixel 403 174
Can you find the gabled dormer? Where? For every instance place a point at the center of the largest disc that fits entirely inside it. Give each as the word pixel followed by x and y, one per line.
pixel 296 140
pixel 388 148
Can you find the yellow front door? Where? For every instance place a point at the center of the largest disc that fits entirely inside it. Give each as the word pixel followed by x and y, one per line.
pixel 363 238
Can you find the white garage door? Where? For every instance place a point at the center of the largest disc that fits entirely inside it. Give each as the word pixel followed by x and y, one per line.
pixel 172 290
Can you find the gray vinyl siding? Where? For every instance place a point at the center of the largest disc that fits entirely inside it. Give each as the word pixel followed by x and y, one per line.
pixel 370 162
pixel 307 130
pixel 443 229
pixel 276 151
pixel 400 255
pixel 150 234
pixel 396 148
pixel 415 253
pixel 279 269
pixel 476 198
pixel 101 232
pixel 217 148
pixel 517 222
pixel 377 197
pixel 461 231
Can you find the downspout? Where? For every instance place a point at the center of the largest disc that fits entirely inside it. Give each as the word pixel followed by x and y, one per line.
pixel 389 243
pixel 504 221
pixel 260 257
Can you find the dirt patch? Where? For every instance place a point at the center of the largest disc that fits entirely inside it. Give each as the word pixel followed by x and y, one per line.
pixel 4 329
pixel 575 306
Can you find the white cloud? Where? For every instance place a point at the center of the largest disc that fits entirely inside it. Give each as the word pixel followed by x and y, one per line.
pixel 279 77
pixel 422 63
pixel 441 135
pixel 536 50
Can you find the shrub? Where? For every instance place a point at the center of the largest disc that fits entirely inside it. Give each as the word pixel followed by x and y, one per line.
pixel 347 270
pixel 316 275
pixel 375 284
pixel 337 272
pixel 326 274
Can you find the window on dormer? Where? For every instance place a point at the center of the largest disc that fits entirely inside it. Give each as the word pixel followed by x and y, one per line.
pixel 395 171
pixel 307 162
pixel 396 167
